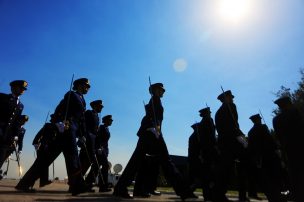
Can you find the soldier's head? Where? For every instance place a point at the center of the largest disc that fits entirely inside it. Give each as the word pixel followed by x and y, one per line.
pixel 81 85
pixel 283 102
pixel 107 120
pixel 256 119
pixel 22 119
pixel 157 89
pixel 205 112
pixel 226 97
pixel 18 87
pixel 97 105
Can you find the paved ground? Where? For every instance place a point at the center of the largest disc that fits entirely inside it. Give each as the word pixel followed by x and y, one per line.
pixel 57 191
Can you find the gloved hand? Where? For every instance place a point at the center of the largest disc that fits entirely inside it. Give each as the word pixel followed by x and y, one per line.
pixel 60 126
pixel 81 141
pixel 16 138
pixel 99 151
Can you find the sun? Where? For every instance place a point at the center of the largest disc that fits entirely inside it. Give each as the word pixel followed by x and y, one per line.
pixel 234 11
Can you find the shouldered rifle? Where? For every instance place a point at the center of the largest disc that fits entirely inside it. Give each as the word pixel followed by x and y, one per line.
pixel 68 102
pixel 17 157
pixel 262 117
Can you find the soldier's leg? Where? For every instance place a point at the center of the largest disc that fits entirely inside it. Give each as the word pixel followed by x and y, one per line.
pixel 130 170
pixel 70 152
pixel 103 182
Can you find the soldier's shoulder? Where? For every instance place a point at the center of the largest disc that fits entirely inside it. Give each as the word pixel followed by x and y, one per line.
pixel 3 95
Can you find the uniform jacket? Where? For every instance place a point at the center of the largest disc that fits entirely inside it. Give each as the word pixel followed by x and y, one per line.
pixel 154 115
pixel 102 139
pixel 9 110
pixel 75 111
pixel 227 124
pixel 261 145
pixel 45 136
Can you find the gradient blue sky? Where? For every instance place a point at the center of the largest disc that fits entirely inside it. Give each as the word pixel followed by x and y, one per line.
pixel 118 44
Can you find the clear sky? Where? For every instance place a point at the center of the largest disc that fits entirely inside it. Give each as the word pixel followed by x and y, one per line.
pixel 194 47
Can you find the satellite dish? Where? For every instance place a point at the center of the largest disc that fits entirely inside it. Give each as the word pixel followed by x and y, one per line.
pixel 110 165
pixel 117 168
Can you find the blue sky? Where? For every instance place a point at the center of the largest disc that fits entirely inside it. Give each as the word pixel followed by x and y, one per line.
pixel 118 44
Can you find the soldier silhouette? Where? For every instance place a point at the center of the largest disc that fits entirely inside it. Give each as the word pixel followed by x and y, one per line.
pixel 151 142
pixel 87 151
pixel 289 128
pixel 232 146
pixel 10 109
pixel 202 154
pixel 102 148
pixel 69 116
pixel 265 163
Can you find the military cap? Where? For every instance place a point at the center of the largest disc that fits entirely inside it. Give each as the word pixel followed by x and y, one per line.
pixel 205 111
pixel 20 83
pixel 255 117
pixel 282 100
pixel 195 126
pixel 81 81
pixel 155 86
pixel 225 94
pixel 95 103
pixel 107 117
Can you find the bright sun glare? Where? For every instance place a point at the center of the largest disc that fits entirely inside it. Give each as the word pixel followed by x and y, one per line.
pixel 234 10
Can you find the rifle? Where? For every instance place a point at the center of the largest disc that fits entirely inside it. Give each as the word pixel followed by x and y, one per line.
pixel 68 101
pixel 17 157
pixel 262 117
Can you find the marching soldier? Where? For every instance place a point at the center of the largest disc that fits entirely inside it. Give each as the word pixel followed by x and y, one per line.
pixel 232 145
pixel 102 149
pixel 264 169
pixel 71 111
pixel 202 153
pixel 42 143
pixel 10 109
pixel 87 151
pixel 151 142
pixel 289 128
pixel 69 120
pixel 49 144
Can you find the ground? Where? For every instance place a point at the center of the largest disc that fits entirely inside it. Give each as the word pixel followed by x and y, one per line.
pixel 57 191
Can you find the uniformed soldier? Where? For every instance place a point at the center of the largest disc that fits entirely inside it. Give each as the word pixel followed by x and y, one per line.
pixel 232 145
pixel 102 149
pixel 87 151
pixel 71 109
pixel 42 142
pixel 289 127
pixel 146 185
pixel 69 115
pixel 206 153
pixel 264 169
pixel 49 143
pixel 151 142
pixel 10 109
